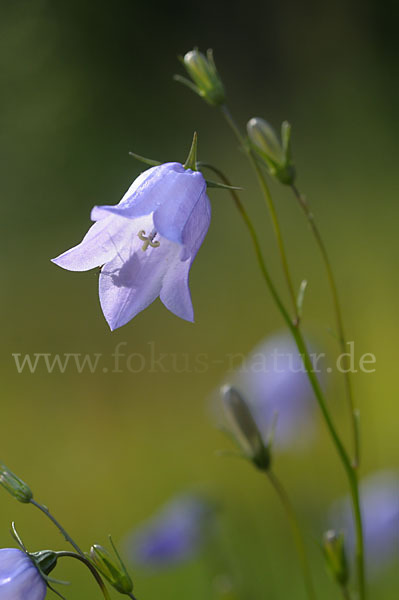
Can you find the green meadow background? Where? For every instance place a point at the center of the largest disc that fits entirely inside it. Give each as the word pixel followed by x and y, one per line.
pixel 82 83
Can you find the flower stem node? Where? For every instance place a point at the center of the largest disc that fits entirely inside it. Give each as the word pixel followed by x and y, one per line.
pixel 244 428
pixel 114 571
pixel 275 153
pixel 335 555
pixel 14 485
pixel 205 78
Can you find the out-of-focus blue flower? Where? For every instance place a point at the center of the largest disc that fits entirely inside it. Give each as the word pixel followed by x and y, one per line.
pixel 274 382
pixel 174 534
pixel 19 577
pixel 380 509
pixel 146 244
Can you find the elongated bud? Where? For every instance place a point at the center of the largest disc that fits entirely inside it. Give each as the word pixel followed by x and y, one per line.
pixel 335 555
pixel 14 485
pixel 114 573
pixel 274 152
pixel 244 428
pixel 203 72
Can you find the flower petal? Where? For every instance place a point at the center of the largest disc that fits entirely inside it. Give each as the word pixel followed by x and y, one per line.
pixel 100 244
pixel 148 192
pixel 128 285
pixel 175 292
pixel 196 227
pixel 173 215
pixel 19 578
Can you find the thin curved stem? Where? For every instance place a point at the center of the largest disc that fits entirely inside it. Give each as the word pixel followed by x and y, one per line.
pixel 270 204
pixel 345 593
pixel 300 343
pixel 66 535
pixel 296 532
pixel 88 564
pixel 338 317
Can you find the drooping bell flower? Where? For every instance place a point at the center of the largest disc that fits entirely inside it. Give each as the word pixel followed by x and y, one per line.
pixel 276 387
pixel 145 245
pixel 379 494
pixel 20 579
pixel 174 534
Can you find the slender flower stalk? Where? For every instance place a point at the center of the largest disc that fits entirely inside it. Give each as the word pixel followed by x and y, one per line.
pixel 66 535
pixel 82 558
pixel 339 320
pixel 297 335
pixel 244 429
pixel 345 593
pixel 269 201
pixel 296 531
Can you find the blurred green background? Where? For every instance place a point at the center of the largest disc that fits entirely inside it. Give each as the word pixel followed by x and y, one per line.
pixel 82 83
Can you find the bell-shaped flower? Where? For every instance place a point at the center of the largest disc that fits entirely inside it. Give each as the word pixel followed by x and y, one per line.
pixel 19 577
pixel 145 245
pixel 174 534
pixel 274 382
pixel 379 494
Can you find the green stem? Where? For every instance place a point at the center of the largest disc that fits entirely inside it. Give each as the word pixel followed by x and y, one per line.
pixel 269 201
pixel 339 320
pixel 345 593
pixel 297 335
pixel 66 535
pixel 296 532
pixel 88 564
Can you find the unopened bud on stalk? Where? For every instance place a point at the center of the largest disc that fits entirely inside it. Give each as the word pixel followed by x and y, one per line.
pixel 335 555
pixel 203 72
pixel 14 485
pixel 114 573
pixel 274 152
pixel 244 428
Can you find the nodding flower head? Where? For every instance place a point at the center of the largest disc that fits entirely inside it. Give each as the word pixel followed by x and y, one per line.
pixel 275 384
pixel 379 494
pixel 146 244
pixel 174 534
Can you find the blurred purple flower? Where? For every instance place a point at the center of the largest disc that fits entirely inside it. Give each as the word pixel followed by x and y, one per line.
pixel 146 243
pixel 274 382
pixel 19 578
pixel 380 510
pixel 174 534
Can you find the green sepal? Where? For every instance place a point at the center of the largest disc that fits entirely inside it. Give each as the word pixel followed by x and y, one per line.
pixel 286 140
pixel 191 160
pixel 222 186
pixel 146 161
pixel 187 83
pixel 301 297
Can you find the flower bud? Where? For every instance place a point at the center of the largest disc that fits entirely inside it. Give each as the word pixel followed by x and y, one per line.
pixel 115 574
pixel 275 153
pixel 203 72
pixel 14 485
pixel 335 555
pixel 244 428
